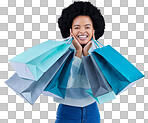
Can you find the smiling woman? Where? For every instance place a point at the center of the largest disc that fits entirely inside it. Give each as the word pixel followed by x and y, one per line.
pixel 82 21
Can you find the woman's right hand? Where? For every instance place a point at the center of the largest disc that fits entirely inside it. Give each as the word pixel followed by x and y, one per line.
pixel 77 45
pixel 75 42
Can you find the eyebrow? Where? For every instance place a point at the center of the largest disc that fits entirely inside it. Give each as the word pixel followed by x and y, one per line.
pixel 85 25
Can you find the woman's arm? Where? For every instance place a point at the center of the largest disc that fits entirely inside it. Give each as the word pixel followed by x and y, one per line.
pixel 74 71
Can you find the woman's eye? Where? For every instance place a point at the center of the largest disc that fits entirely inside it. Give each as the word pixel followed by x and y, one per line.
pixel 85 27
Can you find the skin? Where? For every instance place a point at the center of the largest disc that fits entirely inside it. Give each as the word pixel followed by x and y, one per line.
pixel 82 25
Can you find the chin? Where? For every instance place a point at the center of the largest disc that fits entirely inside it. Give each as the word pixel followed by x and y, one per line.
pixel 83 42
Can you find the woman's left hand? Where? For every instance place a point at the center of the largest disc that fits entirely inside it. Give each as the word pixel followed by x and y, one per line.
pixel 88 46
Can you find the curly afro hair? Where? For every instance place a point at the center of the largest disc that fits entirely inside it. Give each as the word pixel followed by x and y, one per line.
pixel 81 8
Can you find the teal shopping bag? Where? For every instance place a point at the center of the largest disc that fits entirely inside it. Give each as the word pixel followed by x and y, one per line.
pixel 118 71
pixel 32 63
pixel 57 87
pixel 102 98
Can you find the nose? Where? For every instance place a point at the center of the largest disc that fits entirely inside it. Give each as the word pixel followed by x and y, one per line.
pixel 82 30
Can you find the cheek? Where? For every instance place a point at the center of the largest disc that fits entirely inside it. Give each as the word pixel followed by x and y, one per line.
pixel 90 33
pixel 75 32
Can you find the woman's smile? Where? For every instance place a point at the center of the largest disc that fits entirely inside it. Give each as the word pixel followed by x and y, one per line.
pixel 82 37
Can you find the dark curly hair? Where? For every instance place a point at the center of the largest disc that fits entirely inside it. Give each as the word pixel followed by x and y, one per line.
pixel 81 8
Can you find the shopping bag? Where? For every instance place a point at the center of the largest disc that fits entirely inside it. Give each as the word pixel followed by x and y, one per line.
pixel 118 71
pixel 103 98
pixel 97 81
pixel 59 83
pixel 32 63
pixel 30 90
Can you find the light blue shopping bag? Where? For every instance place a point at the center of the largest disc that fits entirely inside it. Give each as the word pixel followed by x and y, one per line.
pixel 103 98
pixel 32 63
pixel 118 71
pixel 30 90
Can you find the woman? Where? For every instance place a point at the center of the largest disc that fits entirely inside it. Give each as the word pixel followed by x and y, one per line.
pixel 82 21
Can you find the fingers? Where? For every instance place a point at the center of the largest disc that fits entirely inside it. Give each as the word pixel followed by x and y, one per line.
pixel 70 30
pixel 70 33
pixel 73 36
pixel 75 41
pixel 94 34
pixel 88 45
pixel 86 48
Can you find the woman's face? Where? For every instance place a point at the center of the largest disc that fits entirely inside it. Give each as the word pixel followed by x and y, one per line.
pixel 82 29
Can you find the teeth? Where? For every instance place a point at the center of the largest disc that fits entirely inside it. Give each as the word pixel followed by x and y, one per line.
pixel 83 36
